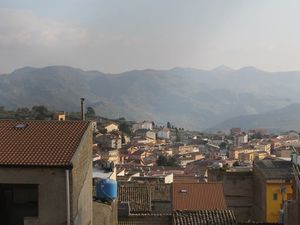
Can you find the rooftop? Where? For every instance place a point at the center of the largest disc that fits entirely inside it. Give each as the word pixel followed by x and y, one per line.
pixel 275 169
pixel 204 217
pixel 139 197
pixel 198 196
pixel 39 143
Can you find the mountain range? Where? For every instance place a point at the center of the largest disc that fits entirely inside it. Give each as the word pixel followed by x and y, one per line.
pixel 190 98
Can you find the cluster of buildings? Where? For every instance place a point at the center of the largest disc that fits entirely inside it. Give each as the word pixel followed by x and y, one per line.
pixel 91 172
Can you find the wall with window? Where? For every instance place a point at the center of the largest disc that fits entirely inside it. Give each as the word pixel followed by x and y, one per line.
pixel 277 193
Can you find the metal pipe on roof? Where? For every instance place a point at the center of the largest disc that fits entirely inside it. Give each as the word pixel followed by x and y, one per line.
pixel 82 108
pixel 68 197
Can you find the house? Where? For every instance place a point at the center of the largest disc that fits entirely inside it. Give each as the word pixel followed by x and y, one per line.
pixel 272 187
pixel 164 133
pixel 110 140
pixel 147 125
pixel 238 189
pixel 198 196
pixel 162 178
pixel 186 158
pixel 111 127
pixel 235 131
pixel 61 116
pixel 144 136
pixel 292 207
pixel 240 139
pixel 45 172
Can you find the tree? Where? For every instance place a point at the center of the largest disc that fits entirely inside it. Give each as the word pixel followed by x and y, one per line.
pixel 162 160
pixel 125 127
pixel 40 112
pixel 178 138
pixel 223 145
pixel 123 138
pixel 167 161
pixel 23 113
pixel 90 112
pixel 168 125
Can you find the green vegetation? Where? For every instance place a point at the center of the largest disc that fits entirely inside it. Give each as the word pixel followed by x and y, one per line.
pixel 125 127
pixel 167 161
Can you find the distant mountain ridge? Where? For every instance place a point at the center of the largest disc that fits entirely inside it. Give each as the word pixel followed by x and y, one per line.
pixel 279 120
pixel 187 97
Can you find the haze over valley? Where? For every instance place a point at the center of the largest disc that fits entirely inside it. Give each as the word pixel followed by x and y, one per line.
pixel 191 98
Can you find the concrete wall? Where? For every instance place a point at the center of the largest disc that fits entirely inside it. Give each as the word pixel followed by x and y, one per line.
pixel 259 200
pixel 52 190
pixel 105 214
pixel 291 214
pixel 81 182
pixel 161 198
pixel 238 190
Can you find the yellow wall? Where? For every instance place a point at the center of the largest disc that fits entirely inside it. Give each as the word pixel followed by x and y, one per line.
pixel 273 206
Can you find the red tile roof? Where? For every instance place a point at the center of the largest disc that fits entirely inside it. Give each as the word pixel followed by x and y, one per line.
pixel 204 217
pixel 139 197
pixel 39 143
pixel 199 196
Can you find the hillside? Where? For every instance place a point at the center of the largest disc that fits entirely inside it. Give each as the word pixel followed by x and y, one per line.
pixel 190 98
pixel 280 120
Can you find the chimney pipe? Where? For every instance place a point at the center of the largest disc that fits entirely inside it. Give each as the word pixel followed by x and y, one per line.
pixel 82 108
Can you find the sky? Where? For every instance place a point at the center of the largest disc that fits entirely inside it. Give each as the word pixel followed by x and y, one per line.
pixel 120 35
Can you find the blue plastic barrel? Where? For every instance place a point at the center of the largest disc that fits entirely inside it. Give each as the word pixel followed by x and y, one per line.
pixel 106 189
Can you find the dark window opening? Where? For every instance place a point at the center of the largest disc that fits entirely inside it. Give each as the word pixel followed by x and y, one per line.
pixel 18 201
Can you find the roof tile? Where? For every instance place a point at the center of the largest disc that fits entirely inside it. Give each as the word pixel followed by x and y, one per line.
pixel 39 143
pixel 198 196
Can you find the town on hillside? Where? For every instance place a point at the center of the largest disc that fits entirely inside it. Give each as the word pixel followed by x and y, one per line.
pixel 80 168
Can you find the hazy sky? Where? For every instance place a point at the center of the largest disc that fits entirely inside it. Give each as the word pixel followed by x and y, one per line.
pixel 120 35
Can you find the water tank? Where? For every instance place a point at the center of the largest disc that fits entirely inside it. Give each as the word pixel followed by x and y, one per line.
pixel 106 189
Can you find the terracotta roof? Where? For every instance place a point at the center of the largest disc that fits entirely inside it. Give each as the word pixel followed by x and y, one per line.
pixel 139 197
pixel 204 217
pixel 39 143
pixel 198 196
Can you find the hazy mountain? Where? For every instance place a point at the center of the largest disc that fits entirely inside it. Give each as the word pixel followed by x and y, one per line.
pixel 284 119
pixel 190 98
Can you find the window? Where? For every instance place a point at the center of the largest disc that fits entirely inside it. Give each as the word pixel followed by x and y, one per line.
pixel 18 201
pixel 275 196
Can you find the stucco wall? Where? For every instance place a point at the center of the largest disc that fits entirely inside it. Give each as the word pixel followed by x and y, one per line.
pixel 52 190
pixel 292 216
pixel 259 200
pixel 238 190
pixel 81 182
pixel 105 214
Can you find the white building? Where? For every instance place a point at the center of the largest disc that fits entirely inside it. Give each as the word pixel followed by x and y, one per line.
pixel 143 125
pixel 164 133
pixel 240 139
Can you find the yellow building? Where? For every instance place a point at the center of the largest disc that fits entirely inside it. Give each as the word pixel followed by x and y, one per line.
pixel 61 116
pixel 272 187
pixel 276 194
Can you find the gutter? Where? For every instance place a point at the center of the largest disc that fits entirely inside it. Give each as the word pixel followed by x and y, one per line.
pixel 68 214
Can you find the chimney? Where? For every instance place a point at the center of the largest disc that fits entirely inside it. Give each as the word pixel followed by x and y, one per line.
pixel 82 108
